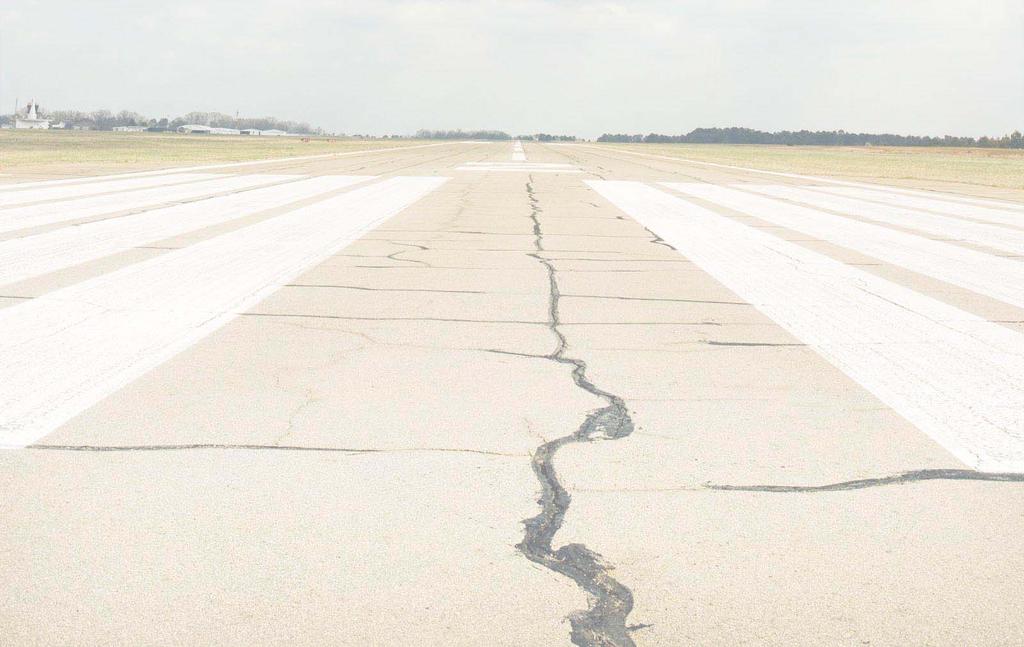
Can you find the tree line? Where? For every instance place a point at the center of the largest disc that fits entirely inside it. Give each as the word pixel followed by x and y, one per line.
pixel 494 135
pixel 107 120
pixel 813 138
pixel 544 137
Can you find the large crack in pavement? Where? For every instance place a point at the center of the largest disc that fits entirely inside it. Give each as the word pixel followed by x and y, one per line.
pixel 603 624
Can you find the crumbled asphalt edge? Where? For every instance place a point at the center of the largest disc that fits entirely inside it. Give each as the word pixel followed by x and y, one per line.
pixel 604 623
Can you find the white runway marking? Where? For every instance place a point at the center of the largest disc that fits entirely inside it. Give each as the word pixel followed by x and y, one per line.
pixel 994 276
pixel 184 169
pixel 1006 216
pixel 12 198
pixel 519 167
pixel 64 351
pixel 518 154
pixel 994 236
pixel 23 258
pixel 45 214
pixel 956 376
pixel 956 197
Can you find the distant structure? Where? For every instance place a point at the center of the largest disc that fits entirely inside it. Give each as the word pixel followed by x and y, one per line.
pixel 189 129
pixel 30 120
pixel 129 129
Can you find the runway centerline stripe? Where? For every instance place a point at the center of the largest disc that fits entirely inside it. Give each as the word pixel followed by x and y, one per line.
pixel 23 258
pixel 954 375
pixel 997 237
pixel 1007 216
pixel 13 198
pixel 48 214
pixel 994 276
pixel 64 351
pixel 518 154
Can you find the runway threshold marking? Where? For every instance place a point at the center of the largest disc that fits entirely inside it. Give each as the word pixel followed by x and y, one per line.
pixel 46 214
pixel 997 204
pixel 518 154
pixel 30 256
pixel 998 237
pixel 15 198
pixel 957 377
pixel 1006 215
pixel 64 351
pixel 185 169
pixel 994 276
pixel 519 167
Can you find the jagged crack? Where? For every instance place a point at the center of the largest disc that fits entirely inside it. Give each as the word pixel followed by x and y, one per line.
pixel 603 624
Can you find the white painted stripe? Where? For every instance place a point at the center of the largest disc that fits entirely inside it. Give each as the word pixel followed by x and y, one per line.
pixel 14 198
pixel 817 178
pixel 994 236
pixel 1003 216
pixel 516 169
pixel 537 164
pixel 23 258
pixel 184 169
pixel 64 351
pixel 45 214
pixel 994 276
pixel 956 376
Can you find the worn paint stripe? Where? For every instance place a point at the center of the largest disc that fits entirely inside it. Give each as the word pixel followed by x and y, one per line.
pixel 47 214
pixel 994 276
pixel 993 236
pixel 23 258
pixel 184 169
pixel 956 197
pixel 1005 216
pixel 64 351
pixel 954 375
pixel 14 198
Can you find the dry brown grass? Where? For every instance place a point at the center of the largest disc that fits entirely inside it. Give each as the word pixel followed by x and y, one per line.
pixel 991 167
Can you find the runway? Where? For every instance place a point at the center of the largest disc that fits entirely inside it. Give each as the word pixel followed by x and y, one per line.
pixel 509 394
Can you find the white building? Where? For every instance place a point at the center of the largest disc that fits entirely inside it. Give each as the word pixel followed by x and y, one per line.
pixel 224 131
pixel 129 129
pixel 31 120
pixel 188 129
pixel 273 133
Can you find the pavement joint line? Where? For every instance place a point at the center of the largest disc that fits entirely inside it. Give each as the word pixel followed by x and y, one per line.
pixel 256 447
pixel 899 478
pixel 603 624
pixel 444 319
pixel 362 288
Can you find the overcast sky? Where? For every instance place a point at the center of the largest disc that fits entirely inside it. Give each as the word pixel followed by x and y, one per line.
pixel 564 66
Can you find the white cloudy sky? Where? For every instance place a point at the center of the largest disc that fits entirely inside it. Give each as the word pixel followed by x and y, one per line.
pixel 576 66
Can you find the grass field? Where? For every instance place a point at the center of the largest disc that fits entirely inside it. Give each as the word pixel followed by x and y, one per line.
pixel 992 167
pixel 69 153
